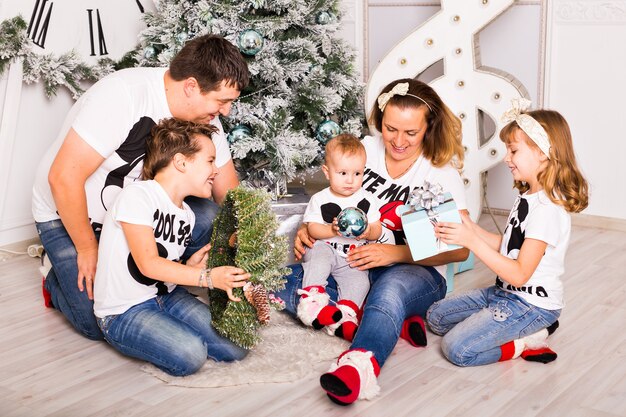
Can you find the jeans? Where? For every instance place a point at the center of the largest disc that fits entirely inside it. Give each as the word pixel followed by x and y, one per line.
pixel 172 331
pixel 475 324
pixel 62 279
pixel 397 292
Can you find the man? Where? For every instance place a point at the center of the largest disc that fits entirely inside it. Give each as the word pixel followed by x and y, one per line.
pixel 101 149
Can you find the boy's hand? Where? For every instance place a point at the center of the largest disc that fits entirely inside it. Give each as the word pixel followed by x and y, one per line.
pixel 335 227
pixel 365 235
pixel 199 258
pixel 228 277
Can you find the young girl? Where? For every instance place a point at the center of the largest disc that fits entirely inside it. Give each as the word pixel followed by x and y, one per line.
pixel 138 306
pixel 513 317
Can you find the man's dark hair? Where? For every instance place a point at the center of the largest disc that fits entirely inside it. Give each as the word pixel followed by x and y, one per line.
pixel 211 59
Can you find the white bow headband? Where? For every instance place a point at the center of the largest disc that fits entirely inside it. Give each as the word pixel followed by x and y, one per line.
pixel 526 122
pixel 400 89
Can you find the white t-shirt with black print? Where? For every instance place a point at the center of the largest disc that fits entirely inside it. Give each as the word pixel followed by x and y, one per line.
pixel 393 193
pixel 324 206
pixel 534 216
pixel 114 117
pixel 119 285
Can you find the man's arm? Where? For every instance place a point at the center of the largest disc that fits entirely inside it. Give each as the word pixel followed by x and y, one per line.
pixel 226 180
pixel 74 163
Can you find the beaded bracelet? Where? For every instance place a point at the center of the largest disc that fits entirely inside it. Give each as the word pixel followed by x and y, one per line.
pixel 205 279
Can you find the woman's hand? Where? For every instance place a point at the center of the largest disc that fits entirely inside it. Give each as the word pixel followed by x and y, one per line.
pixel 371 256
pixel 228 277
pixel 87 260
pixel 303 240
pixel 199 258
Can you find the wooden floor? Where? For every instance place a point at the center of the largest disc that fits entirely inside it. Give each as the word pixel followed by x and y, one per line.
pixel 46 369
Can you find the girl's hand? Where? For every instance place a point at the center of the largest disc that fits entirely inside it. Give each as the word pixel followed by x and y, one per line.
pixel 199 258
pixel 303 240
pixel 371 256
pixel 459 234
pixel 87 260
pixel 228 277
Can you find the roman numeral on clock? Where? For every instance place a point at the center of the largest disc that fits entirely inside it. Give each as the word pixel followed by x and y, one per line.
pixel 38 29
pixel 101 41
pixel 141 9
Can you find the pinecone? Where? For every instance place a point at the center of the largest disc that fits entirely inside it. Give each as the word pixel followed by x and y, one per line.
pixel 257 296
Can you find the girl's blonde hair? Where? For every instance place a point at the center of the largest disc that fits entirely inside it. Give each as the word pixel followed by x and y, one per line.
pixel 561 179
pixel 443 139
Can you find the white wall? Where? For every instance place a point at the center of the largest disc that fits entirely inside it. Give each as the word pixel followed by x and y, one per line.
pixel 585 70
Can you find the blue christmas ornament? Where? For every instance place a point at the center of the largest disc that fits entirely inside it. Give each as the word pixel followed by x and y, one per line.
pixel 327 130
pixel 239 132
pixel 149 52
pixel 182 37
pixel 324 18
pixel 250 42
pixel 352 222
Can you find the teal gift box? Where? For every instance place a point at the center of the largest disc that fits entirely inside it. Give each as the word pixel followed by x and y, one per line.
pixel 419 231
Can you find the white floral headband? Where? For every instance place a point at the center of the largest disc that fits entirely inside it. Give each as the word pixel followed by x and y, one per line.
pixel 400 89
pixel 526 122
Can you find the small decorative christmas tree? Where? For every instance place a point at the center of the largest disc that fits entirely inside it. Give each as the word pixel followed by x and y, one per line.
pixel 244 235
pixel 304 88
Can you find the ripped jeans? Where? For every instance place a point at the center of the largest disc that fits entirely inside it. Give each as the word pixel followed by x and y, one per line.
pixel 475 324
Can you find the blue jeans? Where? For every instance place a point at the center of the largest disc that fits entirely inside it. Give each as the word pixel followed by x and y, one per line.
pixel 475 324
pixel 172 331
pixel 397 292
pixel 62 279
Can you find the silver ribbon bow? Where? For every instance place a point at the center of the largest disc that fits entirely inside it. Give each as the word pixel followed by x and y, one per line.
pixel 428 196
pixel 526 122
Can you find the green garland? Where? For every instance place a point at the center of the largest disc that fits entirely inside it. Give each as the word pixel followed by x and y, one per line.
pixel 66 70
pixel 258 250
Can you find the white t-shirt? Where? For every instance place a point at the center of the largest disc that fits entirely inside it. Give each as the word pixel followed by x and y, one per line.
pixel 119 285
pixel 324 206
pixel 114 117
pixel 534 216
pixel 393 193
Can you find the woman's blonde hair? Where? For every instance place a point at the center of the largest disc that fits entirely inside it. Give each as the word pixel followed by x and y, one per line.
pixel 443 139
pixel 561 179
pixel 169 137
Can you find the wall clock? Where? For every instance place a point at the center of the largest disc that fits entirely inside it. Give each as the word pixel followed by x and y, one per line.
pixel 94 29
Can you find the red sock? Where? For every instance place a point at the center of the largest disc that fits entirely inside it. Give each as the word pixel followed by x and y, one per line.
pixel 343 385
pixel 414 331
pixel 327 316
pixel 545 355
pixel 507 351
pixel 47 298
pixel 351 316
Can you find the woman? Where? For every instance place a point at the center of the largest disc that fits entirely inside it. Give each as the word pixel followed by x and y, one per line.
pixel 420 141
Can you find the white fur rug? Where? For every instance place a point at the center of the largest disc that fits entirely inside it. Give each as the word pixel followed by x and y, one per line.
pixel 287 352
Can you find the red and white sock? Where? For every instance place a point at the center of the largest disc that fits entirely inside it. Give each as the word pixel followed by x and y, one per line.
pixel 414 331
pixel 533 347
pixel 312 300
pixel 348 324
pixel 353 377
pixel 44 269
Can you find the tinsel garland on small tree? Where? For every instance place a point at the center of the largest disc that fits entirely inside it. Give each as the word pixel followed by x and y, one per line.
pixel 244 235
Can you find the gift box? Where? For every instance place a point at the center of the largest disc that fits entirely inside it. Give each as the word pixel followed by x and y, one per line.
pixel 418 224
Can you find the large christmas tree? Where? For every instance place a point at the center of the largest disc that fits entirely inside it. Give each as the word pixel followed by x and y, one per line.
pixel 304 87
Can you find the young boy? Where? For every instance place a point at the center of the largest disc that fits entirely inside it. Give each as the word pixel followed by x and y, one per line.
pixel 139 308
pixel 344 166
